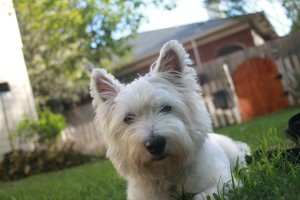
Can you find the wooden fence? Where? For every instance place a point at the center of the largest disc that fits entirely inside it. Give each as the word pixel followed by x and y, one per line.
pixel 81 130
pixel 284 52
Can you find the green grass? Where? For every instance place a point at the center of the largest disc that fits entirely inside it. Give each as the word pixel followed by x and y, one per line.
pixel 265 179
pixel 90 181
pixel 263 132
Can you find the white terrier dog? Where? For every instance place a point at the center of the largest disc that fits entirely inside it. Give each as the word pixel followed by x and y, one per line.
pixel 157 131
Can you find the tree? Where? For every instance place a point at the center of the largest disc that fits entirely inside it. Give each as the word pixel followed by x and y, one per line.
pixel 292 8
pixel 64 39
pixel 240 7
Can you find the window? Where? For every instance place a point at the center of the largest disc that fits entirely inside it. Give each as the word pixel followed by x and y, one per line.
pixel 229 49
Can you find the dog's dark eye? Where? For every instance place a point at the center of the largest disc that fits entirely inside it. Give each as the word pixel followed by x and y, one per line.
pixel 129 118
pixel 166 109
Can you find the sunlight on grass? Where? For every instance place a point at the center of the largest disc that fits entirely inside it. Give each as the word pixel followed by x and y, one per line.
pixel 263 132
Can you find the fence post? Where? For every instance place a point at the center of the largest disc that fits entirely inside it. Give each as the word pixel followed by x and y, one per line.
pixel 236 110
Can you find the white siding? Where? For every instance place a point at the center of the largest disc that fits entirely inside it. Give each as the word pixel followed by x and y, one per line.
pixel 19 101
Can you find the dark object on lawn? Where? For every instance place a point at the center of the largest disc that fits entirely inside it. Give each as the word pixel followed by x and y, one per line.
pixel 293 130
pixel 291 155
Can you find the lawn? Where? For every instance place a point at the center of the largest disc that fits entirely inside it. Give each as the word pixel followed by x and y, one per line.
pixel 263 132
pixel 265 179
pixel 89 181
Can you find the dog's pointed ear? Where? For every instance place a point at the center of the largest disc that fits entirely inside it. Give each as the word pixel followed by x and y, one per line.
pixel 103 86
pixel 172 58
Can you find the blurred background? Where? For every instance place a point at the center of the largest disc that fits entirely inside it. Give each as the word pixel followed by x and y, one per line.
pixel 246 54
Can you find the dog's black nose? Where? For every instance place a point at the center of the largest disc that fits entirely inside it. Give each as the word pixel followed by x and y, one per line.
pixel 156 145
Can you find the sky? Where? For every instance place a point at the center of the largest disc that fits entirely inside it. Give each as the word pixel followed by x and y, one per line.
pixel 191 11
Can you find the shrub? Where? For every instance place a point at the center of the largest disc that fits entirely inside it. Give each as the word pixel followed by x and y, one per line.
pixel 45 130
pixel 18 164
pixel 46 156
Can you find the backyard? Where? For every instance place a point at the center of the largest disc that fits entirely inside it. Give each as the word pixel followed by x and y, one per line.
pixel 265 179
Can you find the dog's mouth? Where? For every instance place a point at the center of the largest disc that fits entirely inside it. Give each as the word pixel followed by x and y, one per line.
pixel 159 157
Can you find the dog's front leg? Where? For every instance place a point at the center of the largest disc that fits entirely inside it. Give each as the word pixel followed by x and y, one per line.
pixel 145 191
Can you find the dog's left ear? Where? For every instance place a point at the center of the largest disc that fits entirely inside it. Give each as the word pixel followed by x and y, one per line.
pixel 172 58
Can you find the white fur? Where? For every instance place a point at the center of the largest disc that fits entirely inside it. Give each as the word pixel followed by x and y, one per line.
pixel 193 160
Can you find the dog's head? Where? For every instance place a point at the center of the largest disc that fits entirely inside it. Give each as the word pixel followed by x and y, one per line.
pixel 155 125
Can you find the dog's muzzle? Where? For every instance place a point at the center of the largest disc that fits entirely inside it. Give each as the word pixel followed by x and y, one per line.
pixel 156 145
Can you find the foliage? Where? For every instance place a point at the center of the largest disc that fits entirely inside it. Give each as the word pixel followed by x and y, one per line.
pixel 241 7
pixel 265 179
pixel 45 130
pixel 63 40
pixel 292 8
pixel 19 164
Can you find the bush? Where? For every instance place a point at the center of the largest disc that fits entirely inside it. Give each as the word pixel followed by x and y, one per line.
pixel 46 156
pixel 45 130
pixel 18 164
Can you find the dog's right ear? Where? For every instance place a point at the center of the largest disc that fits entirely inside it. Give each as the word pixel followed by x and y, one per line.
pixel 103 86
pixel 172 58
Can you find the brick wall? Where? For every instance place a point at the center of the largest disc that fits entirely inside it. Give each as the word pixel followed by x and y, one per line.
pixel 209 51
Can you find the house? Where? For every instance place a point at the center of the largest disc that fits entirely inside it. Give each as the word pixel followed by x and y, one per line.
pixel 15 89
pixel 234 58
pixel 204 41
